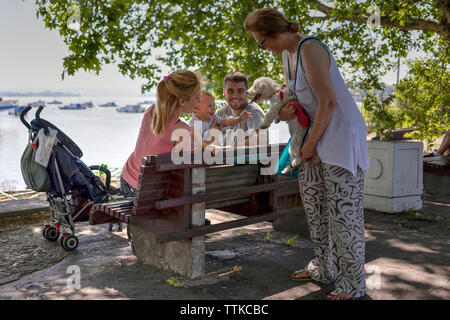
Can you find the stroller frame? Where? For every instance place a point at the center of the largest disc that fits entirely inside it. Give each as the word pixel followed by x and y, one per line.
pixel 62 208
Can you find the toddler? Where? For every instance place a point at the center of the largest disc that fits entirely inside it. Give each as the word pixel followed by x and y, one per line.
pixel 205 117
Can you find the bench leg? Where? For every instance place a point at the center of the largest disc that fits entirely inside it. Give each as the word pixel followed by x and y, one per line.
pixel 186 257
pixel 183 257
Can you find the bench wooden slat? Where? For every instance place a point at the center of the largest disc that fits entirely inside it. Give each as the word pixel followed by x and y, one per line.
pixel 202 230
pixel 99 217
pixel 139 211
pixel 223 155
pixel 230 169
pixel 104 206
pixel 119 213
pixel 143 193
pixel 210 196
pixel 231 177
pixel 231 184
pixel 149 180
pixel 226 203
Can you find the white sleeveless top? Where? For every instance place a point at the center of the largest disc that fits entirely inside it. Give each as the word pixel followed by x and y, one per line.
pixel 343 142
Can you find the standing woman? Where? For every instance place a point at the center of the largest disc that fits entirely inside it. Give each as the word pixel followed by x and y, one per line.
pixel 335 157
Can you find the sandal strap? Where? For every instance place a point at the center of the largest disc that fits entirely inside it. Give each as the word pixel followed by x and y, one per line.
pixel 339 291
pixel 336 292
pixel 295 274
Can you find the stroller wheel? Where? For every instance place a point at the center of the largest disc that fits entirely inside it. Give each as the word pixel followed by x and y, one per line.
pixel 44 231
pixel 69 243
pixel 51 234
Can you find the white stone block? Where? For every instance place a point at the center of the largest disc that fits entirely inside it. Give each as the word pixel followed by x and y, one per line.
pixel 392 205
pixel 394 181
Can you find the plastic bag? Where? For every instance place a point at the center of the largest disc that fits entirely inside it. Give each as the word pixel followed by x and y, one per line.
pixel 45 146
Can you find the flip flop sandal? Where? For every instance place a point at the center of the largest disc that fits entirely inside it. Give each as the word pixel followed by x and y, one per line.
pixel 338 292
pixel 307 278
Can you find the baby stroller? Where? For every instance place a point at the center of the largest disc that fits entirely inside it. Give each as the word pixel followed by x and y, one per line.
pixel 71 187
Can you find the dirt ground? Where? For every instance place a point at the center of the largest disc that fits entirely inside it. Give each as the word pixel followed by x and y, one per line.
pixel 407 257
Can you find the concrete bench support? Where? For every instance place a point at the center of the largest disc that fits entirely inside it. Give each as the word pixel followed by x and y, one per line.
pixel 186 257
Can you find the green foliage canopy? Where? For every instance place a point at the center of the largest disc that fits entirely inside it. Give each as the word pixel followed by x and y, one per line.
pixel 142 35
pixel 209 36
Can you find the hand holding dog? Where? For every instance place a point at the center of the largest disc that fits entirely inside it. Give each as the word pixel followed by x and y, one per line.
pixel 287 111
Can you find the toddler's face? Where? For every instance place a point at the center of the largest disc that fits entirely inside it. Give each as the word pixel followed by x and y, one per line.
pixel 206 108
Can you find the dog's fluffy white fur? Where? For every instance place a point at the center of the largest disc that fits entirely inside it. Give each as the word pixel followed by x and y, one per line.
pixel 267 89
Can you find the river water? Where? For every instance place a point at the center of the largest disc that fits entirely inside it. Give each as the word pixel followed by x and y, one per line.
pixel 104 135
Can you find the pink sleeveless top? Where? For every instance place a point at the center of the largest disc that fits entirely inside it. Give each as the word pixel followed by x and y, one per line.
pixel 147 144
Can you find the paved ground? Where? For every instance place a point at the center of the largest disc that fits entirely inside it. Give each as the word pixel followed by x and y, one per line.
pixel 407 257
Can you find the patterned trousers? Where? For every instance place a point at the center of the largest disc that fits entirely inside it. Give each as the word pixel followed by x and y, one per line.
pixel 126 190
pixel 333 202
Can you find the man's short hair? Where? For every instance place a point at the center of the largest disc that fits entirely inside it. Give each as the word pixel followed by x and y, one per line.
pixel 236 77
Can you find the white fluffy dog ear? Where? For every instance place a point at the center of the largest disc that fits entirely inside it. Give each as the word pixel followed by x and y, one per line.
pixel 262 87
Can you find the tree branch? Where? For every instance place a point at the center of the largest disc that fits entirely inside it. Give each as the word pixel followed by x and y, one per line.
pixel 433 25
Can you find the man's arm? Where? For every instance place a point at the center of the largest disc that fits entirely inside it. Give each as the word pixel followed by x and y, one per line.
pixel 226 122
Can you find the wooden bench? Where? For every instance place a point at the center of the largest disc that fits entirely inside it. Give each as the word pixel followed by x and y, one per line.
pixel 167 216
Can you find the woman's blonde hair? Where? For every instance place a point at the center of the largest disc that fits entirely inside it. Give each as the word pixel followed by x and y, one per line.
pixel 268 22
pixel 179 84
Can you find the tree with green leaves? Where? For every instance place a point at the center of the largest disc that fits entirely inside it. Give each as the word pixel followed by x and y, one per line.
pixel 367 37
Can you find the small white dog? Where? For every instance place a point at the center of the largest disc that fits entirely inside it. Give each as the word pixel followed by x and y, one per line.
pixel 265 88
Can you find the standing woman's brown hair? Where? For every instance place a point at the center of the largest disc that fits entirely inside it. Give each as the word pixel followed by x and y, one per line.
pixel 268 21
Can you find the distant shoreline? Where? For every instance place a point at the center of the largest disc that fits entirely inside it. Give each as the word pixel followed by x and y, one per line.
pixel 38 94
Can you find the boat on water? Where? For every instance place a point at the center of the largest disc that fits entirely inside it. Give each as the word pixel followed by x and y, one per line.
pixel 37 104
pixel 55 102
pixel 74 106
pixel 89 104
pixel 132 108
pixel 17 110
pixel 150 102
pixel 8 104
pixel 109 104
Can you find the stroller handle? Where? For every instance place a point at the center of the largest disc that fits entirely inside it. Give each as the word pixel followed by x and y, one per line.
pixel 22 117
pixel 39 120
pixel 106 171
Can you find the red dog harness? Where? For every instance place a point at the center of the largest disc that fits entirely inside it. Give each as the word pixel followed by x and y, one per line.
pixel 302 116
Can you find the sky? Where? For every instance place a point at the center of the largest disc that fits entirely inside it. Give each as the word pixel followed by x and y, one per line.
pixel 31 59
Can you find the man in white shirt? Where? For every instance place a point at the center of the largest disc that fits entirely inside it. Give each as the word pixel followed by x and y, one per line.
pixel 235 92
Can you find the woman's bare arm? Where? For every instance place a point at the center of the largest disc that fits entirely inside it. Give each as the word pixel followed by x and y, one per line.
pixel 316 63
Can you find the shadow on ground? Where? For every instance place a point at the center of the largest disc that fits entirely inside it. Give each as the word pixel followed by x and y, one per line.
pixel 403 261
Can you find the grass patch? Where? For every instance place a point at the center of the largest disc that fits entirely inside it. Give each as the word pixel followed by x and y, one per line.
pixel 290 242
pixel 175 283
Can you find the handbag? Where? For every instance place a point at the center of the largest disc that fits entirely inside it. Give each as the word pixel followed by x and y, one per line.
pixel 34 174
